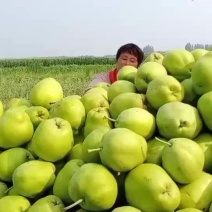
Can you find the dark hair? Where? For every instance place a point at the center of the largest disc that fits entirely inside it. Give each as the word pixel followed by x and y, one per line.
pixel 132 49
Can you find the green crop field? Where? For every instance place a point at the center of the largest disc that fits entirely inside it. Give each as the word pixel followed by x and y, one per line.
pixel 18 76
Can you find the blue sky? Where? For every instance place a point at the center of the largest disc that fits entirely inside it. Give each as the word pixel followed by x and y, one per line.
pixel 40 28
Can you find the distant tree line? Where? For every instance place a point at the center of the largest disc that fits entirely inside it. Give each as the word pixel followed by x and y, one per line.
pixel 191 47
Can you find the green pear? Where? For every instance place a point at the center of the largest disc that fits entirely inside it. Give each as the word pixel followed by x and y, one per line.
pixel 14 204
pixel 3 189
pixel 16 129
pixel 97 90
pixel 97 117
pixel 149 188
pixel 127 73
pixel 154 57
pixel 138 120
pixel 197 194
pixel 202 74
pixel 198 53
pixel 67 109
pixel 178 63
pixel 10 159
pixel 189 210
pixel 154 151
pixel 146 73
pixel 126 209
pixel 16 102
pixel 119 87
pixel 76 152
pixel 92 141
pixel 46 92
pixel 183 159
pixel 37 114
pixel 178 120
pixel 60 187
pixel 18 108
pixel 190 95
pixel 205 142
pixel 93 100
pixel 104 85
pixel 125 101
pixel 93 187
pixel 122 149
pixel 48 203
pixel 28 147
pixel 53 139
pixel 163 90
pixel 33 177
pixel 12 192
pixel 1 108
pixel 204 104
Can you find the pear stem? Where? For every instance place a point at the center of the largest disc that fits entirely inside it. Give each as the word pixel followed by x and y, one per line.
pixel 118 173
pixel 8 190
pixel 94 150
pixel 165 142
pixel 74 204
pixel 113 120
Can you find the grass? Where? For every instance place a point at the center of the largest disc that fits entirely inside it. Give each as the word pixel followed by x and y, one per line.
pixel 17 82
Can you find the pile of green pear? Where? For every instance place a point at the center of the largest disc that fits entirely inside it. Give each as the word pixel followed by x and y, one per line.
pixel 141 144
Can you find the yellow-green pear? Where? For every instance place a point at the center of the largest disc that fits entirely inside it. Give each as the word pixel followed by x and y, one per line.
pixel 72 110
pixel 97 117
pixel 125 101
pixel 210 209
pixel 138 120
pixel 178 63
pixel 164 89
pixel 205 142
pixel 148 187
pixel 127 73
pixel 10 159
pixel 197 194
pixel 190 95
pixel 16 129
pixel 93 187
pixel 178 120
pixel 155 57
pixel 201 74
pixel 92 141
pixel 12 192
pixel 126 209
pixel 119 87
pixel 33 177
pixel 37 114
pixel 60 187
pixel 46 92
pixel 50 203
pixel 53 139
pixel 198 53
pixel 154 151
pixel 122 149
pixel 204 104
pixel 3 189
pixel 146 73
pixel 183 159
pixel 104 85
pixel 97 90
pixel 93 100
pixel 76 152
pixel 14 204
